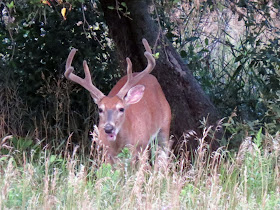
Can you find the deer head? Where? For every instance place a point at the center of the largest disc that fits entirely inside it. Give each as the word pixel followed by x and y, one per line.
pixel 112 109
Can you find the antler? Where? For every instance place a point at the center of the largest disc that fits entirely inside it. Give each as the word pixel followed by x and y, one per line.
pixel 96 94
pixel 131 81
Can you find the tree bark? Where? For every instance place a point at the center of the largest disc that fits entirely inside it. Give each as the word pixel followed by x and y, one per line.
pixel 188 101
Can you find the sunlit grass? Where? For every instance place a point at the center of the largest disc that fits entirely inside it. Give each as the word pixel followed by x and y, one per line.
pixel 247 179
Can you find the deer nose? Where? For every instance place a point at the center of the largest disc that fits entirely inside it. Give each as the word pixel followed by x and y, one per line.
pixel 108 128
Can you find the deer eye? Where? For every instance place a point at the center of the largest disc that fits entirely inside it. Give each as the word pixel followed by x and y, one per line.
pixel 121 109
pixel 100 110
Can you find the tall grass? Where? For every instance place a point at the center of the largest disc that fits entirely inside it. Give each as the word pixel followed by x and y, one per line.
pixel 41 179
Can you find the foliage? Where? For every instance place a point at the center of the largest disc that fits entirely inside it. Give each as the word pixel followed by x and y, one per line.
pixel 232 47
pixel 35 41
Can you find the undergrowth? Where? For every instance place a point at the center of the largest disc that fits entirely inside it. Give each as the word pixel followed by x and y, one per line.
pixel 40 178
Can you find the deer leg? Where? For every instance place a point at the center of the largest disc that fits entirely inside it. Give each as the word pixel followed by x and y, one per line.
pixel 163 149
pixel 164 139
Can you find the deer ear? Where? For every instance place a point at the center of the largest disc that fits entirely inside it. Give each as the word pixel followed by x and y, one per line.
pixel 134 95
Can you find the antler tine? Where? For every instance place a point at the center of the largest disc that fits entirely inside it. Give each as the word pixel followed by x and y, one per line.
pixel 69 61
pixel 146 45
pixel 131 81
pixel 129 69
pixel 96 94
pixel 126 86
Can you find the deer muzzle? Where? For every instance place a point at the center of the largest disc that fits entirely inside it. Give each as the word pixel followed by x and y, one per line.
pixel 108 128
pixel 110 132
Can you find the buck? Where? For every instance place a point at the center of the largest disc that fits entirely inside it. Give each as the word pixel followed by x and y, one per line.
pixel 134 112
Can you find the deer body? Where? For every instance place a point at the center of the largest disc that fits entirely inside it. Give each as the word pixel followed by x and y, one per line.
pixel 148 118
pixel 134 112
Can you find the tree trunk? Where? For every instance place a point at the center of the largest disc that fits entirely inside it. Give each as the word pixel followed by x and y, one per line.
pixel 188 102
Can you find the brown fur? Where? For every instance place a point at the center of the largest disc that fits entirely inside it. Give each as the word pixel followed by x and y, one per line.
pixel 141 120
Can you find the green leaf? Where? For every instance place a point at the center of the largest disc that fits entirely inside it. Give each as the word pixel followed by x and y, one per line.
pixel 156 55
pixel 10 5
pixel 226 124
pixel 124 4
pixel 52 158
pixel 258 139
pixel 125 153
pixel 4 158
pixel 111 7
pixel 104 171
